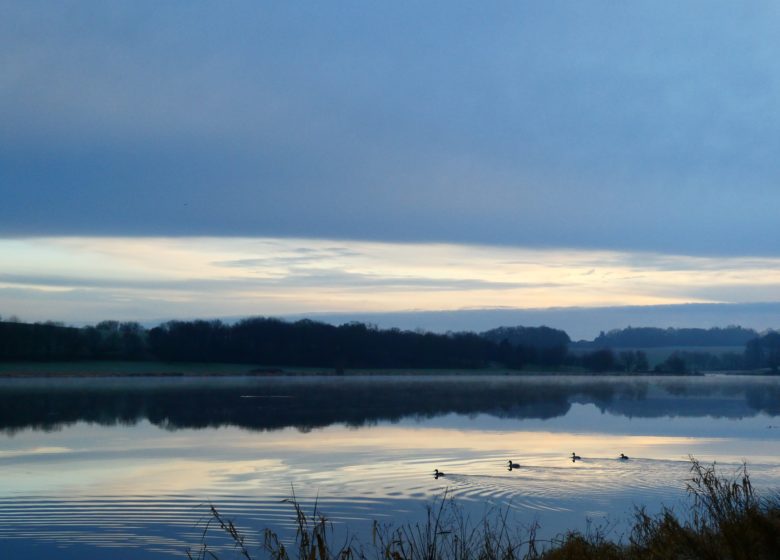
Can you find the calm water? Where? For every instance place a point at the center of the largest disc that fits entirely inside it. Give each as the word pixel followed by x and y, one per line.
pixel 118 468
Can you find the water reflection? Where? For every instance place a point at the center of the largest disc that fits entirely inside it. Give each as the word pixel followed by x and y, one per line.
pixel 307 403
pixel 88 471
pixel 140 486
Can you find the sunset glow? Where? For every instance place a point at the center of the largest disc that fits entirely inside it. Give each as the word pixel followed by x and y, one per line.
pixel 73 279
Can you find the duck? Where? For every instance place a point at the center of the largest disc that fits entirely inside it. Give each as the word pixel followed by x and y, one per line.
pixel 624 457
pixel 575 457
pixel 513 465
pixel 437 473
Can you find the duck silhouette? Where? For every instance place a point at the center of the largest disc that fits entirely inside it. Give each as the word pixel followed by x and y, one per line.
pixel 624 457
pixel 513 465
pixel 575 457
pixel 437 473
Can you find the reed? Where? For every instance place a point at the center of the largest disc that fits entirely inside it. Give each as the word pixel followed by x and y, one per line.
pixel 726 520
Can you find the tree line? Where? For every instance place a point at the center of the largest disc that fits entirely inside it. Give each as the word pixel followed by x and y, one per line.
pixel 270 341
pixel 307 343
pixel 653 337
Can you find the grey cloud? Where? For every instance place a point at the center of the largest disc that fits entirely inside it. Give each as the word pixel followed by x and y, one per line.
pixel 358 281
pixel 263 262
pixel 114 284
pixel 579 322
pixel 648 261
pixel 301 278
pixel 302 256
pixel 90 305
pixel 328 252
pixel 733 292
pixel 641 125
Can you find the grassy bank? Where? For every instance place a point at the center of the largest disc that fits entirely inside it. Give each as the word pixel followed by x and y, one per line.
pixel 97 368
pixel 178 369
pixel 120 369
pixel 726 520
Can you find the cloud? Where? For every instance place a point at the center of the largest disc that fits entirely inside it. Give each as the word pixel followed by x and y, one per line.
pixel 297 256
pixel 361 282
pixel 632 127
pixel 581 323
pixel 291 280
pixel 90 278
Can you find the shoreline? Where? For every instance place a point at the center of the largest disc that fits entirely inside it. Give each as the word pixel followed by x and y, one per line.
pixel 152 369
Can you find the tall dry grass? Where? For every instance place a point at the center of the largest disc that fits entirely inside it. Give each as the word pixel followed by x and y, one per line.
pixel 726 520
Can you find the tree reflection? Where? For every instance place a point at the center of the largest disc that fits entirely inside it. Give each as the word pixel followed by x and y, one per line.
pixel 308 403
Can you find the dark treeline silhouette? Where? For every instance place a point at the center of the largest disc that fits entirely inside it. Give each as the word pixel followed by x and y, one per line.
pixel 679 362
pixel 108 340
pixel 312 402
pixel 763 352
pixel 518 346
pixel 652 337
pixel 309 343
pixel 604 354
pixel 306 343
pixel 276 342
pixel 683 361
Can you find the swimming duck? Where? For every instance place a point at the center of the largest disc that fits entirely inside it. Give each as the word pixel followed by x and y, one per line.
pixel 623 457
pixel 513 465
pixel 575 457
pixel 437 473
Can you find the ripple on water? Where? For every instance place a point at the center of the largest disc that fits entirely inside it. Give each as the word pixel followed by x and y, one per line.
pixel 563 485
pixel 171 523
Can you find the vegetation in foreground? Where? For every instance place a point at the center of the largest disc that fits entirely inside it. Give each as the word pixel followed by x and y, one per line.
pixel 726 520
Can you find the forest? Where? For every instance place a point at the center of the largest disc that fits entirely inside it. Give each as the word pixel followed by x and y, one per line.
pixel 306 343
pixel 652 337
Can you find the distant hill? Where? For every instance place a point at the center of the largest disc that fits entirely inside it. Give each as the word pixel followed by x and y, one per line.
pixel 652 337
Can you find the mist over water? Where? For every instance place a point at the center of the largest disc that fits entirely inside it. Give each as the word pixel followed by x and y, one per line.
pixel 110 468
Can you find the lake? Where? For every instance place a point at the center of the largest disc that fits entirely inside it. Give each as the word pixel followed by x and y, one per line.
pixel 127 467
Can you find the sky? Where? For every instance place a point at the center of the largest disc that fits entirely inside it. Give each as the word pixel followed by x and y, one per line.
pixel 185 159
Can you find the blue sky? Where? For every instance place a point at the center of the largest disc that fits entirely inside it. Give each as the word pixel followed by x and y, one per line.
pixel 642 132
